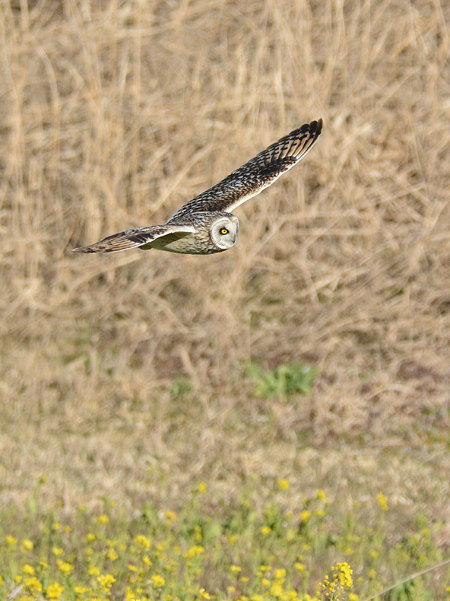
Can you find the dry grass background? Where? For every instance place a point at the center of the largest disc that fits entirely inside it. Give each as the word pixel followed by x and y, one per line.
pixel 114 113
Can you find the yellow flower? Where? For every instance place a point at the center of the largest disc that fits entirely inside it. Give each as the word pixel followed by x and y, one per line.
pixel 320 513
pixel 305 515
pixel 264 568
pixel 283 484
pixel 103 519
pixel 353 597
pixel 157 581
pixel 65 567
pixel 2 581
pixel 106 581
pixel 256 598
pixel 54 590
pixel 27 569
pixel 231 589
pixel 142 541
pixel 276 590
pixel 171 515
pixel 56 526
pixel 204 594
pixel 112 554
pixel 11 540
pixel 244 579
pixel 300 566
pixel 280 574
pixel 33 585
pixel 345 574
pixel 193 552
pixel 90 537
pixel 265 582
pixel 321 495
pixel 57 551
pixel 27 544
pixel 382 501
pixel 265 530
pixel 202 487
pixel 235 568
pixel 372 574
pixel 93 571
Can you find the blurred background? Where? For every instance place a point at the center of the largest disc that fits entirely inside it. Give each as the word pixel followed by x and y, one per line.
pixel 135 374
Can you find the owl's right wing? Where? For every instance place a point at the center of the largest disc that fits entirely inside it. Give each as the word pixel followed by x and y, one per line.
pixel 255 175
pixel 137 237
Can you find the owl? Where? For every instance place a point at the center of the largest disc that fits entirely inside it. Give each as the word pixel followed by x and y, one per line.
pixel 205 224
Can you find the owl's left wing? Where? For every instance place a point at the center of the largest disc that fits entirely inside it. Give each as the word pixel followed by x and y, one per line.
pixel 136 237
pixel 255 175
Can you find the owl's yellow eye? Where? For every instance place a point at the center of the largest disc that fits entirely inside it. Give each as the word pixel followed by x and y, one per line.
pixel 224 231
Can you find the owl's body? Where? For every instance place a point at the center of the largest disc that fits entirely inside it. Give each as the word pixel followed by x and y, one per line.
pixel 205 225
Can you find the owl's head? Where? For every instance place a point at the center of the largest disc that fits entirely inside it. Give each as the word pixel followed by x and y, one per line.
pixel 224 231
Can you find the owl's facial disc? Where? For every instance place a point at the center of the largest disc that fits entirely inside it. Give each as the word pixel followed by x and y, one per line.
pixel 225 232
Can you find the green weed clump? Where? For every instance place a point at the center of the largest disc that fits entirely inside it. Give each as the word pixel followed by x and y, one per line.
pixel 208 550
pixel 283 381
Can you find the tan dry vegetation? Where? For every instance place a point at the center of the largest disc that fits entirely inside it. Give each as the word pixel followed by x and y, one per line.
pixel 112 115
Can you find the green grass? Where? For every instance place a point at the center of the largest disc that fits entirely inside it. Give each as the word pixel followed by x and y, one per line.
pixel 207 549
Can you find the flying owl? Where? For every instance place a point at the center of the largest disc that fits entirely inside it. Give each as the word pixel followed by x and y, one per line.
pixel 205 224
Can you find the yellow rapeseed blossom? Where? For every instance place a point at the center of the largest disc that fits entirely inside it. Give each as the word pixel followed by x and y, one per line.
pixel 157 581
pixel 65 567
pixel 142 542
pixel 106 581
pixel 193 551
pixel 93 571
pixel 33 585
pixel 344 573
pixel 280 574
pixel 283 484
pixel 103 519
pixel 305 515
pixel 27 569
pixel 112 554
pixel 382 501
pixel 27 544
pixel 11 540
pixel 54 590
